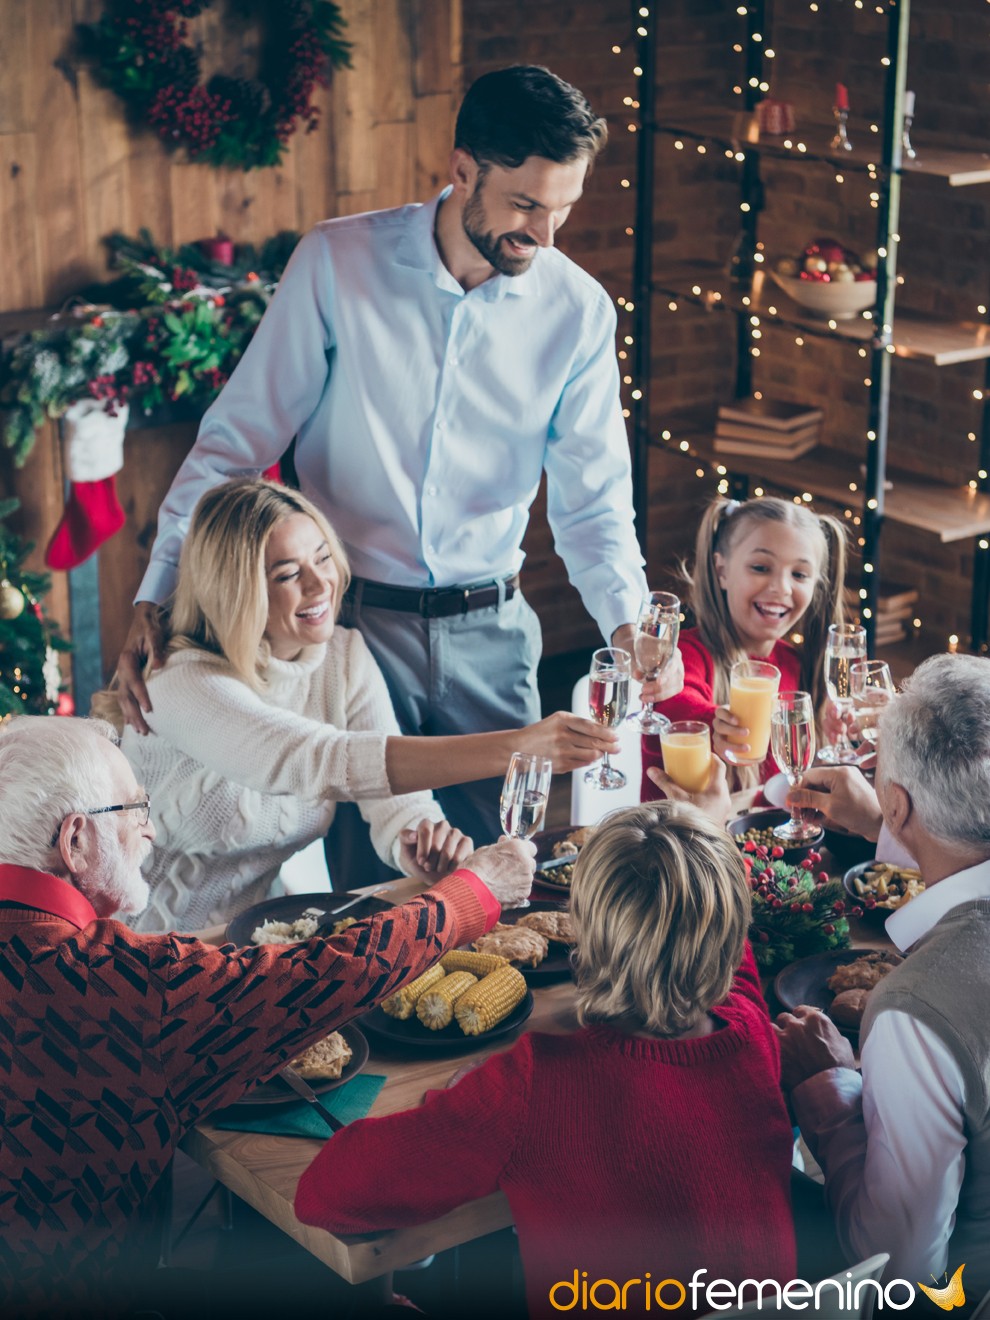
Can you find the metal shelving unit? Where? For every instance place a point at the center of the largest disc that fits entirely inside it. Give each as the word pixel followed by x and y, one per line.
pixel 950 513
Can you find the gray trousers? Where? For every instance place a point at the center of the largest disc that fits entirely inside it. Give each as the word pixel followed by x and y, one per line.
pixel 470 673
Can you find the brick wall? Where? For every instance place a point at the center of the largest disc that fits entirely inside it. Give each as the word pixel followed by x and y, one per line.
pixel 943 256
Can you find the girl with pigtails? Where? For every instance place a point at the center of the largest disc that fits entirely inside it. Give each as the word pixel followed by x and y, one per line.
pixel 765 570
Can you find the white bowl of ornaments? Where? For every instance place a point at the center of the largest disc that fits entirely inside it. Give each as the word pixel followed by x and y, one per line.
pixel 829 279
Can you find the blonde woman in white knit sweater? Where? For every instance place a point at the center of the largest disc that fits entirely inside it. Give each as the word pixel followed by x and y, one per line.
pixel 265 715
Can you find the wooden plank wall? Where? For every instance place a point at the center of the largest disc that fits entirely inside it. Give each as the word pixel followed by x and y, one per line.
pixel 72 171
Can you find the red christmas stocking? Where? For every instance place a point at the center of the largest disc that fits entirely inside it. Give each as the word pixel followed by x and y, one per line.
pixel 93 452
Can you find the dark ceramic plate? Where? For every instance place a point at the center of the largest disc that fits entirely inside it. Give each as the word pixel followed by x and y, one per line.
pixel 290 907
pixel 557 964
pixel 878 915
pixel 806 981
pixel 761 820
pixel 277 1092
pixel 411 1035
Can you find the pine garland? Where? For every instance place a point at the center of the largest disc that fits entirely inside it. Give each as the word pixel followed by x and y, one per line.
pixel 139 50
pixel 171 329
pixel 797 911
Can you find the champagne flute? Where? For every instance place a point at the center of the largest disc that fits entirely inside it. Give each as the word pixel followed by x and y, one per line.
pixel 657 630
pixel 845 645
pixel 523 803
pixel 792 739
pixel 608 698
pixel 872 688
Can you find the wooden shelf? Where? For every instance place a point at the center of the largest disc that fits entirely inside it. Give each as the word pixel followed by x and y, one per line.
pixel 810 141
pixel 940 342
pixel 952 513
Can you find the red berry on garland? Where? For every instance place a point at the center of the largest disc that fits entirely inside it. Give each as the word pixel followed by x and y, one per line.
pixel 839 906
pixel 856 911
pixel 814 858
pixel 749 846
pixel 823 877
pixel 806 864
pixel 777 852
pixel 763 937
pixel 828 929
pixel 807 907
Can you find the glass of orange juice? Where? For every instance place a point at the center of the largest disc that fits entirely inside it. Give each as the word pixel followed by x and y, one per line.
pixel 753 685
pixel 687 754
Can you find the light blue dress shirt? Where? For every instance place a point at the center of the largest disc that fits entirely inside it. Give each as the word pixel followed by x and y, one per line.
pixel 425 415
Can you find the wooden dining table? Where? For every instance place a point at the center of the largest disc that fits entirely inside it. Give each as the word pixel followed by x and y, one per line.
pixel 264 1169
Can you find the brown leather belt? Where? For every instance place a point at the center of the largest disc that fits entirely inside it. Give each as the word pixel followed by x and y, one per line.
pixel 432 602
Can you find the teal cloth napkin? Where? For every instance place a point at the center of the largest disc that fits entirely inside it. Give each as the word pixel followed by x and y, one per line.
pixel 348 1102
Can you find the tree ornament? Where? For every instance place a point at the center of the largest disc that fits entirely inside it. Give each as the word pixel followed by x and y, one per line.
pixel 139 50
pixel 12 600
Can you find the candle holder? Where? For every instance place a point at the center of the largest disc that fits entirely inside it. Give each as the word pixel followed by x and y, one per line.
pixel 906 146
pixel 840 142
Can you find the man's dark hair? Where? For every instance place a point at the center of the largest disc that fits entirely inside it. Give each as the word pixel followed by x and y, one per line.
pixel 512 114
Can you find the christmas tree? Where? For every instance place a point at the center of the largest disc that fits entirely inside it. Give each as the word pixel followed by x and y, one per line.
pixel 29 672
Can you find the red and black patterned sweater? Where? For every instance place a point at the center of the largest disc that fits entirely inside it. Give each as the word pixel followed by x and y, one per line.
pixel 114 1044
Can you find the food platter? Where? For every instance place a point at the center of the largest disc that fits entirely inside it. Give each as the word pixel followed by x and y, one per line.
pixel 806 981
pixel 557 964
pixel 553 874
pixel 277 1092
pixel 290 907
pixel 411 1035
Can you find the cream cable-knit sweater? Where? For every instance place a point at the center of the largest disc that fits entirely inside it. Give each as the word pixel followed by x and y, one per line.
pixel 241 781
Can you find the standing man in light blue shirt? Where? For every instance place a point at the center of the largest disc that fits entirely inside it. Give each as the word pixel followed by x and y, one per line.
pixel 432 362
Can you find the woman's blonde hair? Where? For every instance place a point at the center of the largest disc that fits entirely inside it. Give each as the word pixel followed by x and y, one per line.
pixel 221 599
pixel 724 524
pixel 661 905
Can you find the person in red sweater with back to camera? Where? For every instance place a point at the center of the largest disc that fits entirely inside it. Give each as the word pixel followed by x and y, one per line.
pixel 649 1144
pixel 761 570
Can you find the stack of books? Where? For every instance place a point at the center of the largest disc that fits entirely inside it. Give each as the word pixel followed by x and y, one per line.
pixel 896 607
pixel 767 428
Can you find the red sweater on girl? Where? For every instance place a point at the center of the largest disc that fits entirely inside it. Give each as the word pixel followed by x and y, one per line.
pixel 618 1155
pixel 696 700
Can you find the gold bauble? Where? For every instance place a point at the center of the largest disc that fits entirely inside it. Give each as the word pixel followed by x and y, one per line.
pixel 12 600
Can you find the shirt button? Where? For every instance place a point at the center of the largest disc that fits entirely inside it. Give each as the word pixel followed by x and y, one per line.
pixel 431 549
pixel 431 490
pixel 440 424
pixel 454 361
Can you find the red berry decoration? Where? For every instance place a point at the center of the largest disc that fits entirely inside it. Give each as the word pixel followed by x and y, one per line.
pixel 139 50
pixel 828 929
pixel 822 877
pixel 777 852
pixel 749 846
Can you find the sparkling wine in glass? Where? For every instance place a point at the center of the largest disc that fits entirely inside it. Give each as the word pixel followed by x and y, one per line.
pixel 523 803
pixel 871 688
pixel 608 699
pixel 657 630
pixel 845 645
pixel 792 739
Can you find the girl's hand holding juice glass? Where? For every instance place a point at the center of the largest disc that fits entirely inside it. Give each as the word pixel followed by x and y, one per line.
pixel 753 686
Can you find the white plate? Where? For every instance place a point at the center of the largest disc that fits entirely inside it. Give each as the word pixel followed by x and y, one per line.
pixel 775 791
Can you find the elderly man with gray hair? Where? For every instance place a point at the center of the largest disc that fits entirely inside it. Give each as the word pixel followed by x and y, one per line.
pixel 114 1044
pixel 905 1147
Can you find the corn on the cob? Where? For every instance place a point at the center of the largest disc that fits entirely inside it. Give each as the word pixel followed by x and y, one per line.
pixel 478 964
pixel 435 1009
pixel 493 998
pixel 402 1004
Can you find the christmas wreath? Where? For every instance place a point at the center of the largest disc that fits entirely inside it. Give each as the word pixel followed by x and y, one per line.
pixel 139 50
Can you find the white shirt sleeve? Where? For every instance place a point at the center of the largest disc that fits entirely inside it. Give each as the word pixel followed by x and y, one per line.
pixel 589 483
pixel 892 1146
pixel 273 390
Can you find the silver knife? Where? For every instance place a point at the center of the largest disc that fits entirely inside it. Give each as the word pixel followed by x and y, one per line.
pixel 292 1079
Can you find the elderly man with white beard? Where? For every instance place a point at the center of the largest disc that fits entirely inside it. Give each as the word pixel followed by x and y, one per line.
pixel 113 1044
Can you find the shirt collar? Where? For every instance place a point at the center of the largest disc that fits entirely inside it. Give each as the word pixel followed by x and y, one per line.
pixel 910 923
pixel 47 893
pixel 417 248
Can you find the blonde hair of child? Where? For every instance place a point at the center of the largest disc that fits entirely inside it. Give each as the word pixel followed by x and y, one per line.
pixel 724 524
pixel 661 905
pixel 221 599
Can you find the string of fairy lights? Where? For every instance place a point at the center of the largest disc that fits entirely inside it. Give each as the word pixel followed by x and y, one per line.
pixel 749 90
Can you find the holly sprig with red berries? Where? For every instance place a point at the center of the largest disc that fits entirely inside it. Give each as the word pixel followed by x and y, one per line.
pixel 797 910
pixel 139 49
